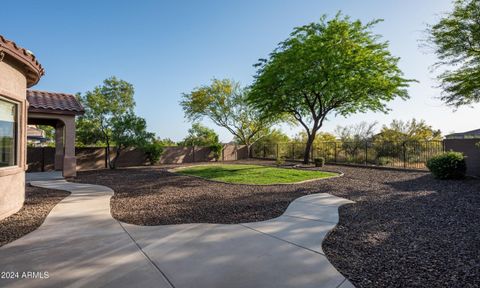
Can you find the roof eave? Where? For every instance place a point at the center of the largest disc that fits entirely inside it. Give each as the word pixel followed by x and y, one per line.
pixel 33 69
pixel 32 109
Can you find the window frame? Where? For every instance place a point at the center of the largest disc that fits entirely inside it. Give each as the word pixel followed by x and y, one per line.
pixel 16 132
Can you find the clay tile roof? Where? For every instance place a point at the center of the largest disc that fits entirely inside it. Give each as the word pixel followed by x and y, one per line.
pixel 50 102
pixel 34 69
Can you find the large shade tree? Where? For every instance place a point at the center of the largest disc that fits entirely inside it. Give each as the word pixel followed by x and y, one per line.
pixel 333 66
pixel 225 103
pixel 456 41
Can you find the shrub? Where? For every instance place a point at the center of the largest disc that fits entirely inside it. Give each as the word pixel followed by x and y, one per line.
pixel 280 161
pixel 383 161
pixel 450 165
pixel 153 150
pixel 319 162
pixel 216 150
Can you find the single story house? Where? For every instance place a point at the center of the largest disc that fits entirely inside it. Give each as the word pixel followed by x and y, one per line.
pixel 19 70
pixel 474 134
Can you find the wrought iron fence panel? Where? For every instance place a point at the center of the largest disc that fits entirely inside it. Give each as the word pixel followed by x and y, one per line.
pixel 407 154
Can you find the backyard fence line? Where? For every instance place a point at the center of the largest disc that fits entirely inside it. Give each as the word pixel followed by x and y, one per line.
pixel 406 154
pixel 41 159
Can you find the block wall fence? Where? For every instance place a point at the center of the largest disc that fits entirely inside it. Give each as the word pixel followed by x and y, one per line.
pixel 42 159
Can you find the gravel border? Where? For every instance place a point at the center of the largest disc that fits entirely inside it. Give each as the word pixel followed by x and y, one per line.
pixel 38 204
pixel 406 229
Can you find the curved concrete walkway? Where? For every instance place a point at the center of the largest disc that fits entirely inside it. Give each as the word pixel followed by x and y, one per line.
pixel 81 245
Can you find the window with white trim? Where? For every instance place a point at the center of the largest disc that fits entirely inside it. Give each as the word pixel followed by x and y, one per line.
pixel 8 133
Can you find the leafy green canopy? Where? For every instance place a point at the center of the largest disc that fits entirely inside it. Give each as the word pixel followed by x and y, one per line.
pixel 102 105
pixel 456 40
pixel 153 150
pixel 200 135
pixel 321 138
pixel 109 119
pixel 399 131
pixel 224 102
pixel 335 66
pixel 276 136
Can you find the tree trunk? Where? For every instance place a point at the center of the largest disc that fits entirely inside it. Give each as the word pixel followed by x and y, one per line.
pixel 308 148
pixel 109 161
pixel 113 164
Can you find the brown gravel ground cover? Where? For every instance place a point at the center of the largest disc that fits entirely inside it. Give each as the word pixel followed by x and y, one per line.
pixel 406 229
pixel 38 203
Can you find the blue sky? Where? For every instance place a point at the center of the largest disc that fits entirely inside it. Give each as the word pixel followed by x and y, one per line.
pixel 165 48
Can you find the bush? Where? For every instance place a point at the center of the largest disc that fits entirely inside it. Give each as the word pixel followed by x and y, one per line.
pixel 153 150
pixel 280 161
pixel 383 161
pixel 319 162
pixel 216 150
pixel 450 165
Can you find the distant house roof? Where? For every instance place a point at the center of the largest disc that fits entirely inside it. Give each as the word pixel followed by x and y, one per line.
pixel 33 131
pixel 34 69
pixel 50 102
pixel 465 135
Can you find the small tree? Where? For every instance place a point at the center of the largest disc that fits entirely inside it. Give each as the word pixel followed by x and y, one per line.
pixel 406 139
pixel 269 143
pixel 224 102
pixel 353 138
pixel 216 151
pixel 109 118
pixel 153 150
pixel 200 135
pixel 456 41
pixel 409 131
pixel 167 142
pixel 128 130
pixel 336 66
pixel 275 136
pixel 88 130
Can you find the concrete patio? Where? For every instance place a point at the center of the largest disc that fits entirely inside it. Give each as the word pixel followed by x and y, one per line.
pixel 81 245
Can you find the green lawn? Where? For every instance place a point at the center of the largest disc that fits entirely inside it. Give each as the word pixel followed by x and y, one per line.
pixel 253 174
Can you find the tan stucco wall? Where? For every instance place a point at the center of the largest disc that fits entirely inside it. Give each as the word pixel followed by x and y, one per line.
pixel 12 179
pixel 65 159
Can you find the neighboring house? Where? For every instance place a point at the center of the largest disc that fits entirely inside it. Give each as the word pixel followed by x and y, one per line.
pixel 474 134
pixel 36 136
pixel 19 70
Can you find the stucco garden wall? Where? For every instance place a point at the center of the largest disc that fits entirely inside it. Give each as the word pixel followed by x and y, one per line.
pixel 12 179
pixel 90 158
pixel 468 148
